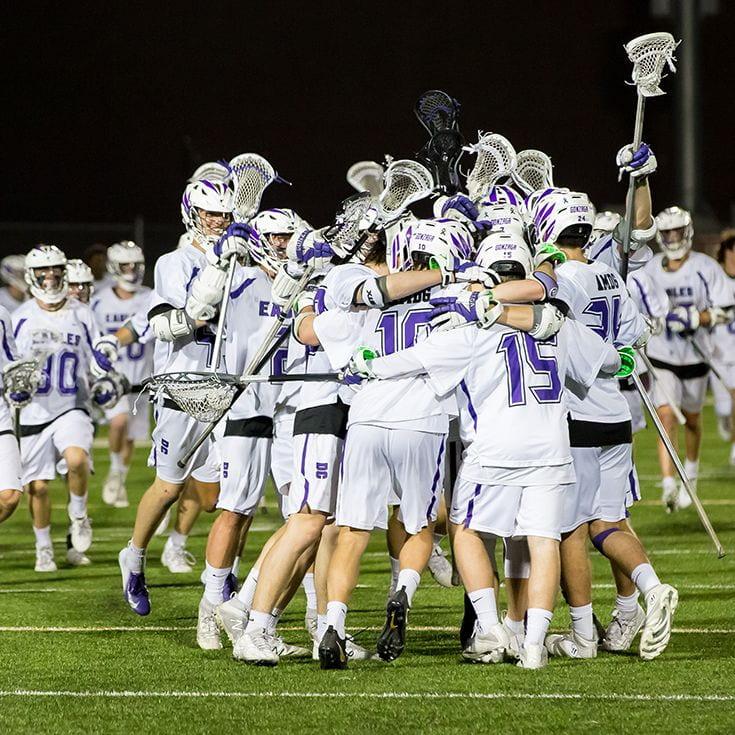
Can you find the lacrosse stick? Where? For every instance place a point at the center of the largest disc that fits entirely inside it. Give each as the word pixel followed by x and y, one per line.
pixel 366 176
pixel 661 387
pixel 496 159
pixel 701 512
pixel 22 376
pixel 251 175
pixel 707 361
pixel 649 54
pixel 533 171
pixel 436 111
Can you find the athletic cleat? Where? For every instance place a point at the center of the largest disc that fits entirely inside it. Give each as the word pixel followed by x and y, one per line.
pixel 45 559
pixel 311 623
pixel 111 488
pixel 467 627
pixel 532 657
pixel 440 567
pixel 392 640
pixel 488 648
pixel 177 559
pixel 76 558
pixel 288 650
pixel 81 533
pixel 515 643
pixel 208 638
pixel 332 650
pixel 661 604
pixel 232 617
pixel 724 428
pixel 732 456
pixel 571 645
pixel 683 500
pixel 163 525
pixel 121 501
pixel 355 652
pixel 134 590
pixel 231 587
pixel 668 496
pixel 255 648
pixel 621 631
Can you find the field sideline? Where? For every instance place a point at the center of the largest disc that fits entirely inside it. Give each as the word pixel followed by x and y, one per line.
pixel 76 660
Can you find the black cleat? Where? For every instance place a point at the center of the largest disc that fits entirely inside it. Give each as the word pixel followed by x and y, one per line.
pixel 332 650
pixel 467 628
pixel 392 640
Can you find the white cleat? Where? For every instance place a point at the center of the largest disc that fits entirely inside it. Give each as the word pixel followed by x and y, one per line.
pixel 488 648
pixel 288 650
pixel 533 657
pixel 353 650
pixel 77 558
pixel 256 648
pixel 177 559
pixel 208 637
pixel 163 525
pixel 621 631
pixel 732 456
pixel 311 623
pixel 515 643
pixel 661 604
pixel 440 567
pixel 111 488
pixel 724 428
pixel 45 559
pixel 121 501
pixel 80 530
pixel 571 645
pixel 232 617
pixel 669 494
pixel 683 500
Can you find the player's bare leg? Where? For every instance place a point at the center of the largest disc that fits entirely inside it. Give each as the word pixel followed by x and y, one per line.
pixel 439 566
pixel 395 537
pixel 39 504
pixel 327 544
pixel 517 565
pixel 121 453
pixel 669 485
pixel 9 500
pixel 195 498
pixel 693 442
pixel 80 528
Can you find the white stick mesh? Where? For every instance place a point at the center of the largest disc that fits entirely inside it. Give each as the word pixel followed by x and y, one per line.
pixel 496 158
pixel 533 171
pixel 251 174
pixel 204 396
pixel 405 181
pixel 649 54
pixel 366 176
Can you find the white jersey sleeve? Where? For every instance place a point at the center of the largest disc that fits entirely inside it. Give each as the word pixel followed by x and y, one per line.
pixel 606 250
pixel 650 298
pixel 9 351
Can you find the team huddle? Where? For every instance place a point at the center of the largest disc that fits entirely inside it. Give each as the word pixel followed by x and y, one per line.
pixel 466 374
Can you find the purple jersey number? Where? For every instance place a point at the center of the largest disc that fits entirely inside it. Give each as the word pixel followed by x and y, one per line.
pixel 66 365
pixel 607 313
pixel 521 352
pixel 398 334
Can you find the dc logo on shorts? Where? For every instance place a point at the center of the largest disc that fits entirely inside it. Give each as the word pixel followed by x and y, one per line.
pixel 322 470
pixel 164 446
pixel 225 469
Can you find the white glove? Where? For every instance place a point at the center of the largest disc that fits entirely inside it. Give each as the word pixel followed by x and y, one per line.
pixel 547 321
pixel 719 316
pixel 638 163
pixel 104 351
pixel 468 307
pixel 308 247
pixel 206 293
pixel 234 241
pixel 108 390
pixel 683 319
pixel 360 366
pixel 456 270
pixel 285 283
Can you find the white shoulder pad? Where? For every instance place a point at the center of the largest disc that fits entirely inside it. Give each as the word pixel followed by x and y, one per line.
pixel 171 325
pixel 547 321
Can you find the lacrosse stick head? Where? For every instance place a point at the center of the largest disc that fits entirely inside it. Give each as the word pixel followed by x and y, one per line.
pixel 496 159
pixel 406 181
pixel 649 54
pixel 203 396
pixel 22 376
pixel 533 171
pixel 366 176
pixel 436 110
pixel 250 174
pixel 355 215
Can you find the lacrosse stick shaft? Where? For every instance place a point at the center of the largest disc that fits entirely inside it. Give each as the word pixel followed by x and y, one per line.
pixel 701 512
pixel 706 361
pixel 669 400
pixel 16 422
pixel 292 378
pixel 217 349
pixel 630 196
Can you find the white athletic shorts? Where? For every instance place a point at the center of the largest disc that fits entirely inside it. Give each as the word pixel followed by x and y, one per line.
pixel 12 475
pixel 633 490
pixel 721 394
pixel 282 451
pixel 40 452
pixel 173 436
pixel 317 462
pixel 139 428
pixel 376 461
pixel 209 471
pixel 244 464
pixel 509 510
pixel 688 394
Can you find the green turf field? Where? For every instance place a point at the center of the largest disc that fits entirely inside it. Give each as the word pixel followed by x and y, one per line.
pixel 75 659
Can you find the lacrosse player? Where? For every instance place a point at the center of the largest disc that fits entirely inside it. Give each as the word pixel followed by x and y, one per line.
pixel 701 298
pixel 81 280
pixel 114 306
pixel 15 292
pixel 63 336
pixel 95 256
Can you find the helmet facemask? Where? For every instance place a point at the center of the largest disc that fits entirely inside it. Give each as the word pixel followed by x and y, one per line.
pixel 49 283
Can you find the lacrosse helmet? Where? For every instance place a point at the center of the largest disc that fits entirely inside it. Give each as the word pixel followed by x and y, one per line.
pixel 502 218
pixel 501 194
pixel 12 271
pixel 214 171
pixel 81 280
pixel 605 223
pixel 397 234
pixel 560 216
pixel 429 238
pixel 213 199
pixel 507 253
pixel 45 274
pixel 675 232
pixel 275 227
pixel 126 264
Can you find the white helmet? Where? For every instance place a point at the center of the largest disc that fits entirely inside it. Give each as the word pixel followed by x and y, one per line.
pixel 675 232
pixel 428 238
pixel 270 223
pixel 560 214
pixel 501 194
pixel 81 280
pixel 211 171
pixel 126 264
pixel 12 271
pixel 49 287
pixel 507 253
pixel 397 234
pixel 207 196
pixel 605 222
pixel 502 218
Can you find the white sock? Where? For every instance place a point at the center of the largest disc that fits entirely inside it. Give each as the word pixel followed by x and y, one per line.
pixel 43 536
pixel 134 558
pixel 627 605
pixel 691 468
pixel 78 505
pixel 275 617
pixel 214 583
pixel 437 538
pixel 258 621
pixel 395 568
pixel 177 539
pixel 537 624
pixel 116 462
pixel 644 578
pixel 247 591
pixel 336 614
pixel 515 626
pixel 668 484
pixel 321 626
pixel 483 600
pixel 582 623
pixel 236 566
pixel 408 578
pixel 310 590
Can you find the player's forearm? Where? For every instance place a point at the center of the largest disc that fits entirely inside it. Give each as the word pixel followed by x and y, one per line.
pixel 517 316
pixel 397 286
pixel 303 328
pixel 642 206
pixel 398 365
pixel 126 335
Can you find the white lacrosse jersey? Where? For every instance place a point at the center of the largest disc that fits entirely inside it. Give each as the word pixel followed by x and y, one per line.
pixel 649 296
pixel 174 274
pixel 8 301
pixel 598 299
pixel 289 359
pixel 605 250
pixel 135 361
pixel 62 342
pixel 8 354
pixel 700 282
pixel 723 336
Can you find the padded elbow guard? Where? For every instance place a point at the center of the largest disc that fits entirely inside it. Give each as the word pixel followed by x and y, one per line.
pixel 171 325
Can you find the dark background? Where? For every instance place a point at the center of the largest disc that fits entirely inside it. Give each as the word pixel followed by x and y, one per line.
pixel 109 107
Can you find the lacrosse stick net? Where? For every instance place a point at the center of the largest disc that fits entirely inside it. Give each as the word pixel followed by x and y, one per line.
pixel 649 54
pixel 204 396
pixel 406 181
pixel 251 174
pixel 23 376
pixel 496 159
pixel 366 176
pixel 533 171
pixel 436 110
